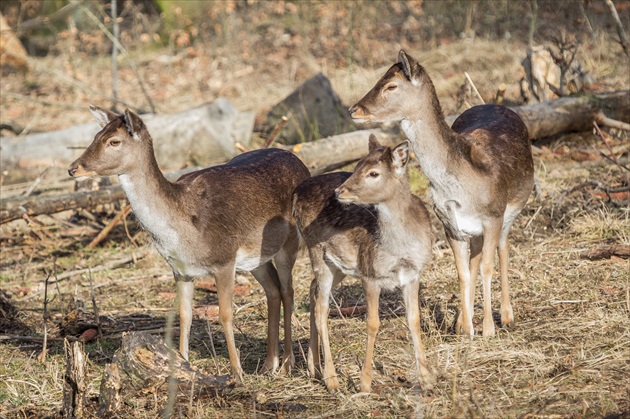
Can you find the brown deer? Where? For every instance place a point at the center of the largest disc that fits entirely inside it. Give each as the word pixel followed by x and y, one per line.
pixel 213 221
pixel 481 174
pixel 366 224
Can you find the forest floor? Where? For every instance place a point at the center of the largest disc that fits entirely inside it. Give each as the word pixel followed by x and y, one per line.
pixel 567 356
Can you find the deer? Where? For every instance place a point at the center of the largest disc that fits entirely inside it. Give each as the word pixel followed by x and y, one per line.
pixel 210 222
pixel 480 171
pixel 366 224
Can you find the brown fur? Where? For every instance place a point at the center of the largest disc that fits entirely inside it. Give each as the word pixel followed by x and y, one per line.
pixel 369 225
pixel 210 222
pixel 481 173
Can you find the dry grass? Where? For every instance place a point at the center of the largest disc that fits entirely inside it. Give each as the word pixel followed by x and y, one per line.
pixel 567 357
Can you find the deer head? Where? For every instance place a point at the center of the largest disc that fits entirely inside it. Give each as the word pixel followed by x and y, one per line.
pixel 377 176
pixel 403 92
pixel 116 148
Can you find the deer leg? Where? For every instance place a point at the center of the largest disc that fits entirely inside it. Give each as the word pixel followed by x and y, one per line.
pixel 412 309
pixel 464 323
pixel 507 315
pixel 325 279
pixel 185 287
pixel 267 276
pixel 491 234
pixel 284 261
pixel 372 294
pixel 313 357
pixel 225 290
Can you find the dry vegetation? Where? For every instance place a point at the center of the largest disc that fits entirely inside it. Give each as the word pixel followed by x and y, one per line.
pixel 568 355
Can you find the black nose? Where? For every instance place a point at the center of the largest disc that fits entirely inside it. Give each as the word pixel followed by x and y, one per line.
pixel 352 109
pixel 72 171
pixel 339 191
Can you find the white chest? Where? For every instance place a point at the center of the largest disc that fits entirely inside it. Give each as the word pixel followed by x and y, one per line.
pixel 455 214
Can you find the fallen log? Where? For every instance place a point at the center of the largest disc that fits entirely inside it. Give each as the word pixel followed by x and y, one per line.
pixel 203 135
pixel 575 113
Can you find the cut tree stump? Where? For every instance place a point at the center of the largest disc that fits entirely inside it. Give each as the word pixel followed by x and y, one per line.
pixel 74 384
pixel 143 363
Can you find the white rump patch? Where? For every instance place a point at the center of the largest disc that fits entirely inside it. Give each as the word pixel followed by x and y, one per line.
pixel 246 262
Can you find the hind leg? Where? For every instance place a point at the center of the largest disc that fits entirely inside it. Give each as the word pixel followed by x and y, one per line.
pixel 267 276
pixel 507 315
pixel 284 261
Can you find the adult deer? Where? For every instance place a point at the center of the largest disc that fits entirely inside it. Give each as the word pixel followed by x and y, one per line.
pixel 481 174
pixel 214 221
pixel 366 224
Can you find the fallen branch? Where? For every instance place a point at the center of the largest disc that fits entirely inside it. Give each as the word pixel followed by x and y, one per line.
pixel 104 232
pixel 606 252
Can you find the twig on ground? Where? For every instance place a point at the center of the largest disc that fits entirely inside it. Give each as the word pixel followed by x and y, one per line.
pixel 474 87
pixel 214 352
pixel 612 156
pixel 602 119
pixel 42 356
pixel 96 316
pixel 36 182
pixel 101 236
pixel 274 134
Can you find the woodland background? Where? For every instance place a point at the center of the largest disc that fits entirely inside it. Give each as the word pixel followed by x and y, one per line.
pixel 568 355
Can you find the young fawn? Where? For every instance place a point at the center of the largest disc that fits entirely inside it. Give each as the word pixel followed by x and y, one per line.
pixel 481 173
pixel 214 221
pixel 366 224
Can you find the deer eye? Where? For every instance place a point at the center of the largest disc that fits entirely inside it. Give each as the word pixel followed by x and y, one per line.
pixel 391 87
pixel 374 175
pixel 114 143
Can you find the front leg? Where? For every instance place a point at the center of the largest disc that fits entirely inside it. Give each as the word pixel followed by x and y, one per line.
pixel 372 294
pixel 225 290
pixel 460 253
pixel 412 309
pixel 185 287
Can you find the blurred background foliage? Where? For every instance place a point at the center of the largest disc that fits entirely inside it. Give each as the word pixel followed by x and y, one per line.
pixel 342 32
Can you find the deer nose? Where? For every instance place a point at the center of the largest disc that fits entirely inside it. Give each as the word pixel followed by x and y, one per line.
pixel 340 191
pixel 356 111
pixel 72 171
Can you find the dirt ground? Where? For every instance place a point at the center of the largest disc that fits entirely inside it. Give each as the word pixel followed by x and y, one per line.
pixel 568 355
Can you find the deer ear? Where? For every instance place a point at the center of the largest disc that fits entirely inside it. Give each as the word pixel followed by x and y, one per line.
pixel 400 156
pixel 102 116
pixel 406 62
pixel 373 143
pixel 133 123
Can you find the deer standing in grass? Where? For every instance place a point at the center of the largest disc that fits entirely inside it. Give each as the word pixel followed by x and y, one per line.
pixel 366 224
pixel 481 173
pixel 214 221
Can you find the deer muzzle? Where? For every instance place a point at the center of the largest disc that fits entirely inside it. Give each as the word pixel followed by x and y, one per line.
pixel 359 113
pixel 78 171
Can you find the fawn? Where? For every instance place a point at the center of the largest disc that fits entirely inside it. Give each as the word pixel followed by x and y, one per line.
pixel 366 224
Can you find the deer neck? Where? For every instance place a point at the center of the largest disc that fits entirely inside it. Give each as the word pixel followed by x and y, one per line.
pixel 394 214
pixel 432 139
pixel 154 201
